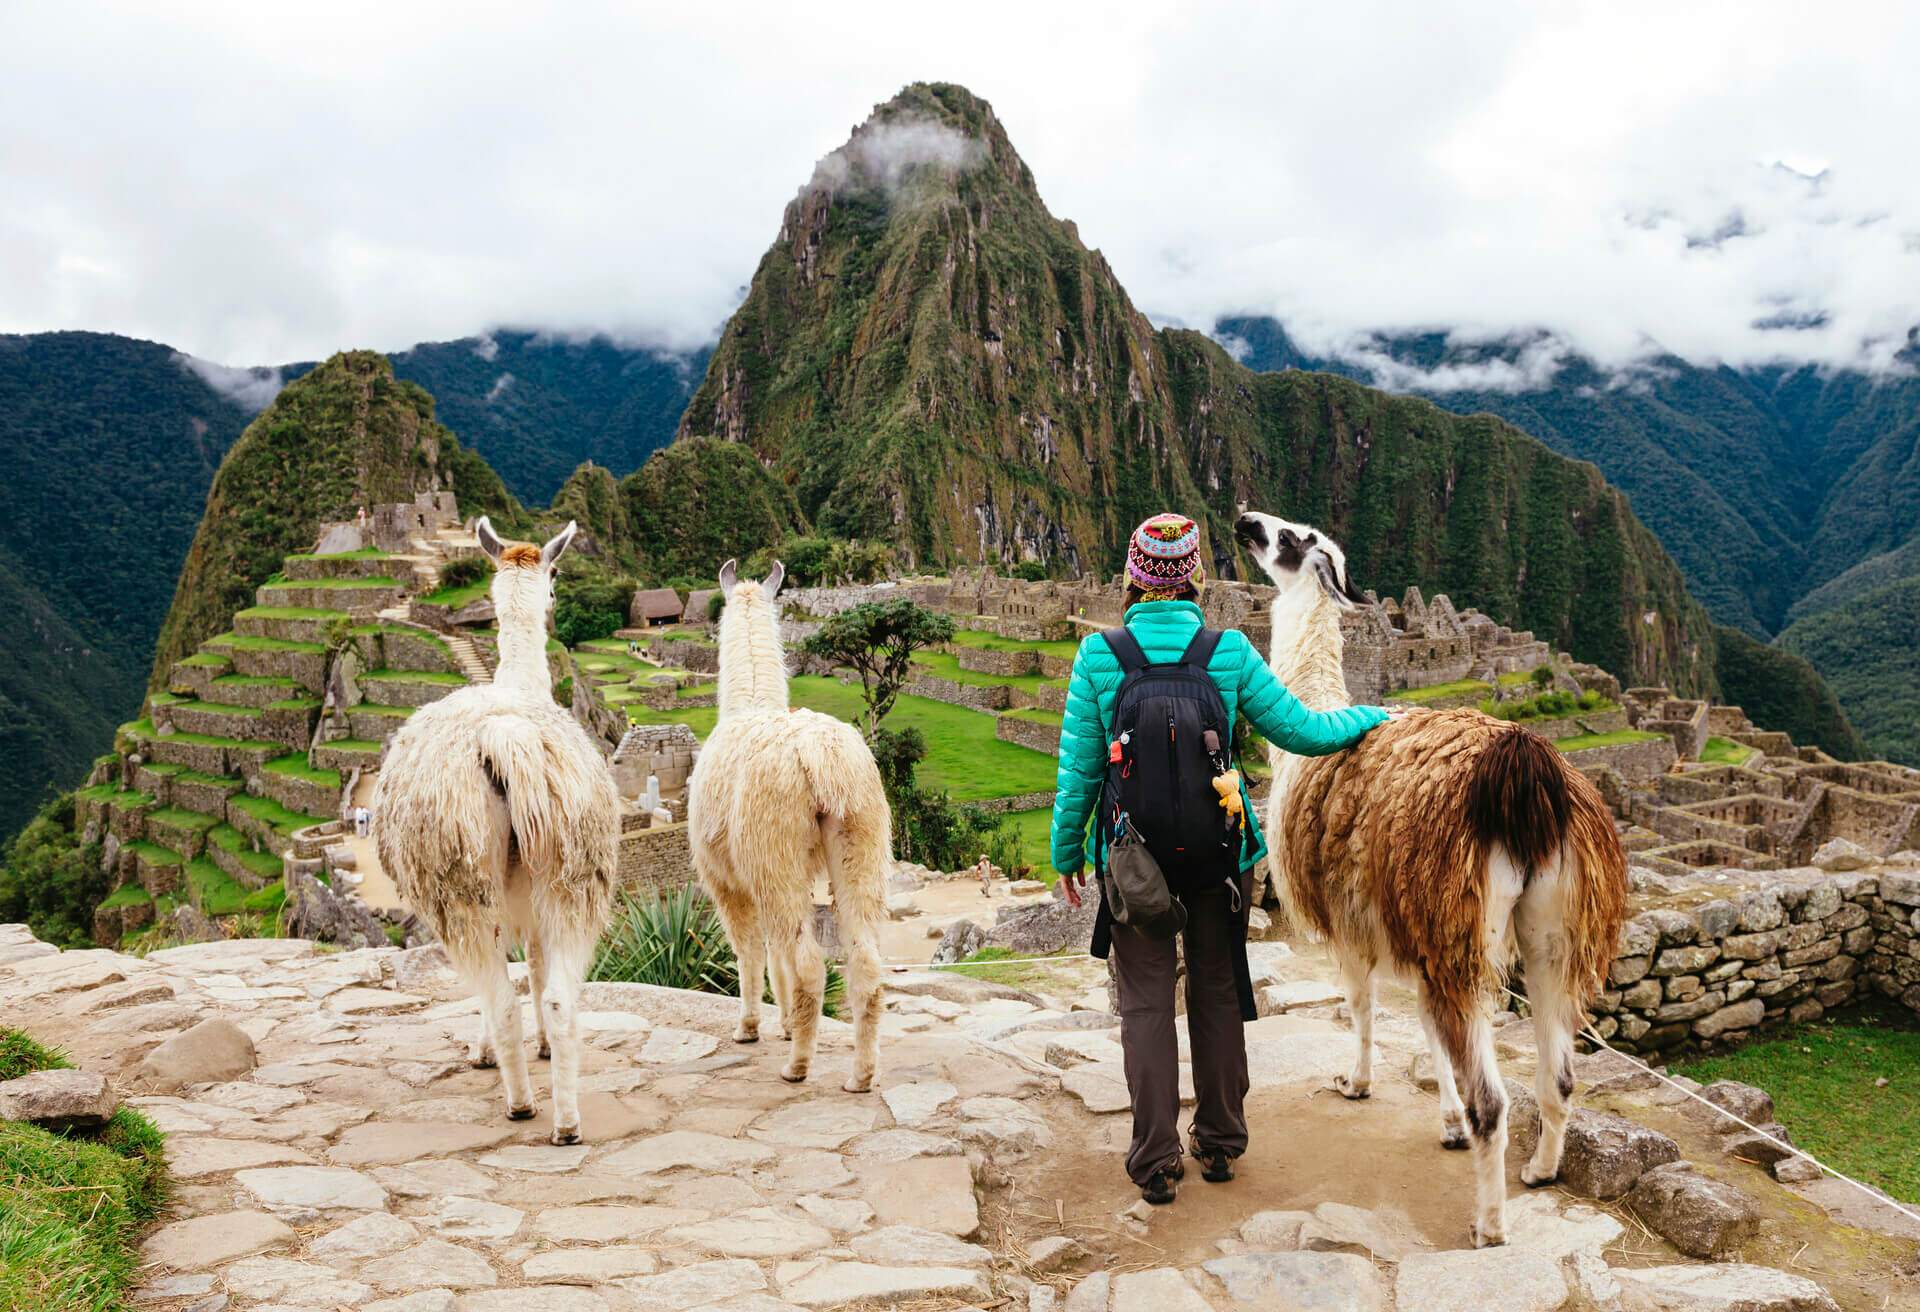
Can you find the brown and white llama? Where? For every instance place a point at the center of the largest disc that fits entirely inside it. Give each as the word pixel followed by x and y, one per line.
pixel 499 822
pixel 1439 848
pixel 779 798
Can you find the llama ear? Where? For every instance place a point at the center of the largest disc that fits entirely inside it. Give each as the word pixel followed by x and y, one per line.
pixel 557 545
pixel 1354 595
pixel 489 540
pixel 1331 582
pixel 727 578
pixel 770 587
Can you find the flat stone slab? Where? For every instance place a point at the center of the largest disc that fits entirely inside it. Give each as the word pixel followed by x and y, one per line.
pixel 836 1284
pixel 303 1284
pixel 1300 1282
pixel 434 1262
pixel 930 1193
pixel 384 1143
pixel 58 1099
pixel 541 1158
pixel 374 1235
pixel 604 1223
pixel 434 1179
pixel 756 1232
pixel 667 1046
pixel 473 1218
pixel 897 1245
pixel 590 1266
pixel 189 1158
pixel 819 1123
pixel 917 1100
pixel 551 1298
pixel 1483 1280
pixel 677 1148
pixel 1163 1289
pixel 695 1285
pixel 321 1187
pixel 204 1241
pixel 1728 1287
pixel 1535 1222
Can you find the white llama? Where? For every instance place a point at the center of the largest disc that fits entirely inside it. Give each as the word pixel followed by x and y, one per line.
pixel 499 822
pixel 778 798
pixel 1439 848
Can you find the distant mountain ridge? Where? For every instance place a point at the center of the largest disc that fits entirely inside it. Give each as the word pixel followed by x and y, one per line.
pixel 1782 492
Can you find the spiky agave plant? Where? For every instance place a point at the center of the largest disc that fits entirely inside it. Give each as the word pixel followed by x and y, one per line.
pixel 675 939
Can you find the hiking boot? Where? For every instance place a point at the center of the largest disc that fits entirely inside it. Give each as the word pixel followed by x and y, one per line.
pixel 1215 1167
pixel 1158 1189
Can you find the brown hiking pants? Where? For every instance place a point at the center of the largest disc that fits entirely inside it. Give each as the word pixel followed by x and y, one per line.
pixel 1144 974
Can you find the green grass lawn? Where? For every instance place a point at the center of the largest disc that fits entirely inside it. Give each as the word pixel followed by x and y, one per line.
pixel 252 642
pixel 289 613
pixel 72 1207
pixel 1458 688
pixel 363 553
pixel 461 595
pixel 204 660
pixel 269 812
pixel 181 818
pixel 1064 648
pixel 144 729
pixel 1822 1077
pixel 1580 742
pixel 991 964
pixel 155 854
pixel 1724 751
pixel 127 895
pixel 263 864
pixel 114 796
pixel 417 676
pixel 963 756
pixel 944 666
pixel 296 766
pixel 377 581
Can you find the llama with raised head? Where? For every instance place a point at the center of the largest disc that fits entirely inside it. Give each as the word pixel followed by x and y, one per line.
pixel 499 822
pixel 1440 848
pixel 779 798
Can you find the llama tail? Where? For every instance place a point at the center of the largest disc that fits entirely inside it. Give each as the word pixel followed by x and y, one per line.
pixel 1519 798
pixel 516 763
pixel 1595 895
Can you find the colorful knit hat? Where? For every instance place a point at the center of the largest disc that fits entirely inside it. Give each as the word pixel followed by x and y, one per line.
pixel 1163 556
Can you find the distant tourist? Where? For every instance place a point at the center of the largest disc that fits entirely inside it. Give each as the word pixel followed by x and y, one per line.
pixel 360 518
pixel 985 871
pixel 362 822
pixel 1169 854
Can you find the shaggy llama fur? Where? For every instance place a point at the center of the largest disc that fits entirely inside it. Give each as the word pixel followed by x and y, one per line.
pixel 1440 847
pixel 779 798
pixel 500 825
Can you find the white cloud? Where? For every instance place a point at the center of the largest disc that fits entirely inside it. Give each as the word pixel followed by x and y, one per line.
pixel 251 388
pixel 249 185
pixel 880 153
pixel 499 388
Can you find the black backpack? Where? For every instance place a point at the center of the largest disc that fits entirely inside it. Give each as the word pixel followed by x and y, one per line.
pixel 1169 738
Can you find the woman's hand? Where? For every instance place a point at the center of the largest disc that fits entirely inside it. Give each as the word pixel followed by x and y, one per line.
pixel 1072 885
pixel 1400 712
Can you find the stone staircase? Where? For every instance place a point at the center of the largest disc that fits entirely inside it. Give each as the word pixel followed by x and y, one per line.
pixel 466 654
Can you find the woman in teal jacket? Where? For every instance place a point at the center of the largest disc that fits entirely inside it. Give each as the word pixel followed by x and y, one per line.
pixel 1163 615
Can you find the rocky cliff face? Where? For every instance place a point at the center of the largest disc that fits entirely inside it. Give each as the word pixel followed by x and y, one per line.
pixel 928 356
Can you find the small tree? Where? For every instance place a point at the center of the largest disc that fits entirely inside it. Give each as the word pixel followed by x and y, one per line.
pixel 877 640
pixel 1032 571
pixel 1542 676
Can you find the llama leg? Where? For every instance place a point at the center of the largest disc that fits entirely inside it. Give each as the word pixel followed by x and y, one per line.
pixel 1543 946
pixel 501 1008
pixel 1358 977
pixel 856 852
pixel 537 978
pixel 782 985
pixel 808 970
pixel 742 920
pixel 1453 1115
pixel 1470 1041
pixel 558 1003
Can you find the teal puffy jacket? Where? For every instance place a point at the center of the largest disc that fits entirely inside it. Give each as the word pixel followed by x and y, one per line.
pixel 1247 686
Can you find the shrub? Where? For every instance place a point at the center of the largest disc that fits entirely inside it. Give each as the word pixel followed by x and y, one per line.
pixel 1543 676
pixel 587 608
pixel 676 940
pixel 715 604
pixel 52 880
pixel 877 641
pixel 1030 570
pixel 462 570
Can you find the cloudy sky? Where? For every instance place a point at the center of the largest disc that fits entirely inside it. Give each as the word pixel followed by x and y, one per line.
pixel 255 186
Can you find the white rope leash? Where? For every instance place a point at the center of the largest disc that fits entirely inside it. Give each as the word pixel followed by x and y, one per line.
pixel 909 964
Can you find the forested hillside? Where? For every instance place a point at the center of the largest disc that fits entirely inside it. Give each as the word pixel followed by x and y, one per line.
pixel 1781 492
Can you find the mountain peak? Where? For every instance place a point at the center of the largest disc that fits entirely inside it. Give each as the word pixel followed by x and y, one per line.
pixel 928 137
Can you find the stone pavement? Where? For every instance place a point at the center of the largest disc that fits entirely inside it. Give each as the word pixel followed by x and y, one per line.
pixel 353 1160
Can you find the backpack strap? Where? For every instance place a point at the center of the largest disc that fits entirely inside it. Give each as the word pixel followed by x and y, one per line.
pixel 1126 649
pixel 1199 652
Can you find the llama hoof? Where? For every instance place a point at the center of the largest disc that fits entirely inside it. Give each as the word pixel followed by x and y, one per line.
pixel 1487 1236
pixel 1347 1088
pixel 565 1137
pixel 1533 1179
pixel 545 1053
pixel 794 1074
pixel 482 1061
pixel 855 1084
pixel 1454 1140
pixel 743 1036
pixel 520 1113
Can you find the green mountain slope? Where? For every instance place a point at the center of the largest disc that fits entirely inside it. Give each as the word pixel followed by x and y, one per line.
pixel 1869 649
pixel 926 355
pixel 347 434
pixel 536 406
pixel 111 444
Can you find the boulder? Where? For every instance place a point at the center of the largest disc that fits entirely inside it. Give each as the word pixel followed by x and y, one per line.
pixel 1045 926
pixel 1769 1145
pixel 1754 1106
pixel 962 939
pixel 1842 854
pixel 210 1052
pixel 314 911
pixel 1606 1154
pixel 1026 887
pixel 1300 1280
pixel 1700 1216
pixel 58 1100
pixel 1482 1280
pixel 190 925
